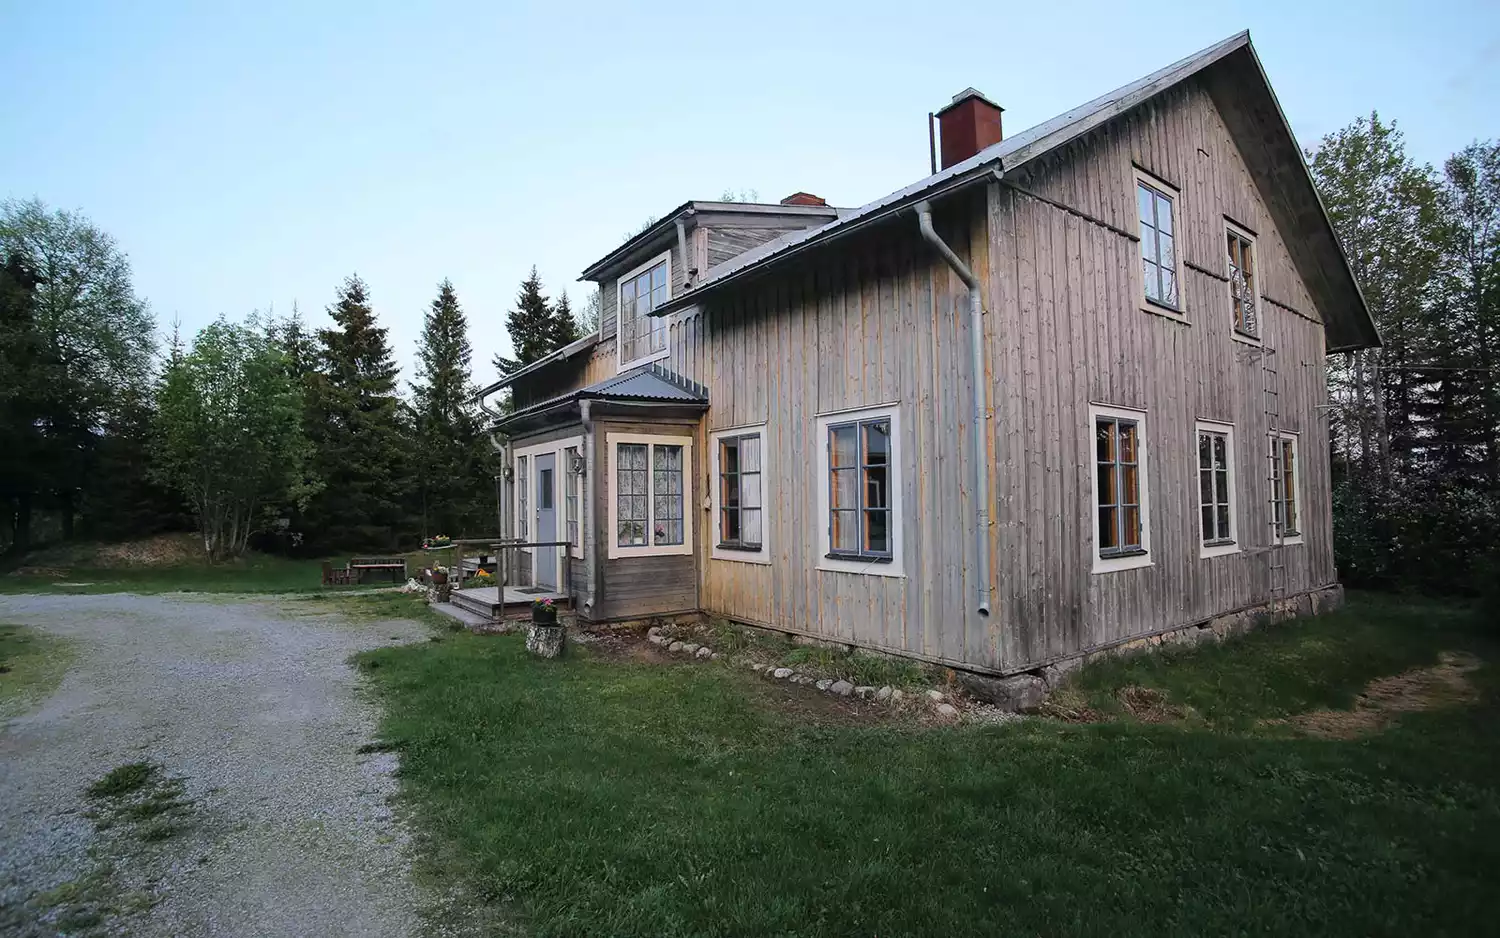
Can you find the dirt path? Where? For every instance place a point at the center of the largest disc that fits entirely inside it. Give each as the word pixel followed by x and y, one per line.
pixel 282 826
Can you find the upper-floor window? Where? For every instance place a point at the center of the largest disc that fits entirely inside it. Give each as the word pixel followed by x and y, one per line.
pixel 1155 205
pixel 1243 281
pixel 1120 520
pixel 643 337
pixel 1216 522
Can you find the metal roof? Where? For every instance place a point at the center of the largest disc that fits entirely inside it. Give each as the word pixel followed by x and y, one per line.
pixel 1007 154
pixel 649 383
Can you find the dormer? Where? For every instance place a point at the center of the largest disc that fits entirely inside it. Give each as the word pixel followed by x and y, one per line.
pixel 672 255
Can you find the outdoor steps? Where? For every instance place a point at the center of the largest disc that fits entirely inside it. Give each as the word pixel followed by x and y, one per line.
pixel 475 605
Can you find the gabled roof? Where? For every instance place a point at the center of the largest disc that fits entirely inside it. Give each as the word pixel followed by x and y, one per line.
pixel 644 384
pixel 1241 91
pixel 663 228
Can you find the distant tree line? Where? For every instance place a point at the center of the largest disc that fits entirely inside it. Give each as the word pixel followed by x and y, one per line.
pixel 261 432
pixel 1416 423
pixel 267 432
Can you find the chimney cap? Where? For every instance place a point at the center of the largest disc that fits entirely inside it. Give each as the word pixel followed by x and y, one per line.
pixel 803 198
pixel 965 95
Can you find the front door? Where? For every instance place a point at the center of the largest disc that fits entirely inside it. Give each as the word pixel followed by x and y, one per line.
pixel 546 520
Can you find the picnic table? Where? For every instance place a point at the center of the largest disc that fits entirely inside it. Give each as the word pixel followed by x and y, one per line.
pixel 393 567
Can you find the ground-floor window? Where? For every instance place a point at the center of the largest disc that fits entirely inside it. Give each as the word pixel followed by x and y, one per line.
pixel 1216 514
pixel 652 490
pixel 739 474
pixel 1122 534
pixel 571 479
pixel 859 493
pixel 1285 480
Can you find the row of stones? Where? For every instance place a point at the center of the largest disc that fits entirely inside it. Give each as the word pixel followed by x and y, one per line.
pixel 885 694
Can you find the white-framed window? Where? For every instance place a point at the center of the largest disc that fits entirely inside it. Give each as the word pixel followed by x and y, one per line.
pixel 739 476
pixel 1122 519
pixel 1286 489
pixel 652 491
pixel 523 498
pixel 1161 280
pixel 1217 525
pixel 642 337
pixel 572 482
pixel 1244 281
pixel 859 499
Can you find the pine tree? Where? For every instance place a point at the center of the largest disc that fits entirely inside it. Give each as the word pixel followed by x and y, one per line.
pixel 565 329
pixel 359 439
pixel 454 458
pixel 531 325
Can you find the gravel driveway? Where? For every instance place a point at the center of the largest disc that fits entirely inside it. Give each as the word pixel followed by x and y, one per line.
pixel 286 828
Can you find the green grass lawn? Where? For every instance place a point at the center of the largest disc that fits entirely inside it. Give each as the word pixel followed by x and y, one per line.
pixel 255 573
pixel 31 665
pixel 605 796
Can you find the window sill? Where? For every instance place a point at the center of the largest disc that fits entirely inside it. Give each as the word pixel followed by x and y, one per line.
pixel 1117 562
pixel 1217 549
pixel 741 548
pixel 1239 336
pixel 1291 540
pixel 1165 312
pixel 646 360
pixel 868 566
pixel 856 558
pixel 620 552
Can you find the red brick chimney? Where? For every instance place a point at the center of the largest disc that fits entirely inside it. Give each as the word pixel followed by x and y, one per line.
pixel 968 124
pixel 802 198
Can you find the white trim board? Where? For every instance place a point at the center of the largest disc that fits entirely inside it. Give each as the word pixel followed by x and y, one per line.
pixel 1219 550
pixel 611 442
pixel 762 556
pixel 893 568
pixel 1143 467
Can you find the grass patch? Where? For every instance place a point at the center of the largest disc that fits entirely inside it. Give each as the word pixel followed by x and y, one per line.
pixel 371 607
pixel 32 664
pixel 1276 672
pixel 124 779
pixel 593 797
pixel 116 569
pixel 857 667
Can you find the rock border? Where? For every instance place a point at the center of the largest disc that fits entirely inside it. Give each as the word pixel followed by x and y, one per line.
pixel 941 704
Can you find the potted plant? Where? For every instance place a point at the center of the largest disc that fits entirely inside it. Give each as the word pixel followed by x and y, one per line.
pixel 543 612
pixel 439 576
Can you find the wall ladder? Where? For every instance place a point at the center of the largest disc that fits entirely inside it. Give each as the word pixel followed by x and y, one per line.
pixel 1276 576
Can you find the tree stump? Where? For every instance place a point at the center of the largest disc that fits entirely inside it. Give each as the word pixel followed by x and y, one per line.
pixel 545 641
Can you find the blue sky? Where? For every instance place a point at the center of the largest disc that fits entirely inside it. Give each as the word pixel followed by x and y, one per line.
pixel 248 156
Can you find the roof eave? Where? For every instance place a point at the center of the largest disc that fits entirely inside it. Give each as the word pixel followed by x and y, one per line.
pixel 562 354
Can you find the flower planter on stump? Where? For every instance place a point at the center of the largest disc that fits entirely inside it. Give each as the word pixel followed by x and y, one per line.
pixel 545 638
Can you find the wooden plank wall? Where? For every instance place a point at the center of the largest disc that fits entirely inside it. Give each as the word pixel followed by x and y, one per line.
pixel 1068 332
pixel 882 322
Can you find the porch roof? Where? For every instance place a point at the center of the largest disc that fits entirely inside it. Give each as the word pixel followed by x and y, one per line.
pixel 650 385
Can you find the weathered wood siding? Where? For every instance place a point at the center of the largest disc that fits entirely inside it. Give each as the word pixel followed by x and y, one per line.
pixel 882 321
pixel 729 241
pixel 1066 330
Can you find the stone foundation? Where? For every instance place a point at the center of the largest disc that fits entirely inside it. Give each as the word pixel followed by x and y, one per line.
pixel 1026 691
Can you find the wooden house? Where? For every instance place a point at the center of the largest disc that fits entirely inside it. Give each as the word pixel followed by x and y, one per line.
pixel 1065 393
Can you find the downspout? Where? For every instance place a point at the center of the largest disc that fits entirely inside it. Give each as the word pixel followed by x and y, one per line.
pixel 501 567
pixel 586 516
pixel 981 449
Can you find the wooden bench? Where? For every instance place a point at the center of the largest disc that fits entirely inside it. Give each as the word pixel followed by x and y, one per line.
pixel 393 567
pixel 336 576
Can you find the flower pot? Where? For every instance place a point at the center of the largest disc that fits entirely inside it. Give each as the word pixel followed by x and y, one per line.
pixel 444 592
pixel 544 615
pixel 439 577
